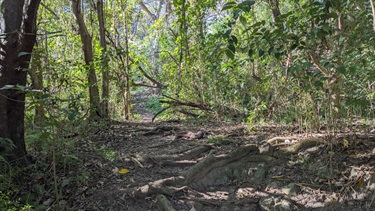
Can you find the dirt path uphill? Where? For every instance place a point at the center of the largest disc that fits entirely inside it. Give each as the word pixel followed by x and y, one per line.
pixel 187 166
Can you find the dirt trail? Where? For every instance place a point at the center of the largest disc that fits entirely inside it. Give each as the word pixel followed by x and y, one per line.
pixel 222 167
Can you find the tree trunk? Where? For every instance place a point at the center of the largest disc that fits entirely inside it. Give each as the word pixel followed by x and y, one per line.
pixel 89 55
pixel 36 75
pixel 105 70
pixel 19 18
pixel 127 69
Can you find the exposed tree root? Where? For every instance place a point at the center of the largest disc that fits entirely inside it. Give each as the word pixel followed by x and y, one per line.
pixel 293 144
pixel 188 155
pixel 249 153
pixel 164 203
pixel 167 186
pixel 211 162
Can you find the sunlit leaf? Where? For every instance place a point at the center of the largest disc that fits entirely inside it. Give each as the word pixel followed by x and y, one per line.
pixel 123 171
pixel 345 143
pixel 243 20
pixel 229 53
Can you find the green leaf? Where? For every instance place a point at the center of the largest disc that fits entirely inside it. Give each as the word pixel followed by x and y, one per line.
pixel 229 53
pixel 233 39
pixel 215 48
pixel 23 54
pixel 318 84
pixel 227 33
pixel 246 5
pixel 236 14
pixel 229 5
pixel 342 70
pixel 261 53
pixel 16 87
pixel 341 40
pixel 243 20
pixel 307 64
pixel 232 48
pixel 6 87
pixel 250 53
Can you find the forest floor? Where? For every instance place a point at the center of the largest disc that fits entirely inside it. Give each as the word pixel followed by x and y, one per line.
pixel 187 166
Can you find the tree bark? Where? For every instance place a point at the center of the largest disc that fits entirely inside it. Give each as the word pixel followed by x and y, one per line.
pixel 89 55
pixel 126 91
pixel 19 17
pixel 36 75
pixel 105 70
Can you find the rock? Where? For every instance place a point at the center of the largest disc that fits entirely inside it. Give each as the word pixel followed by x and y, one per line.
pixel 261 171
pixel 274 204
pixel 283 205
pixel 290 189
pixel 267 203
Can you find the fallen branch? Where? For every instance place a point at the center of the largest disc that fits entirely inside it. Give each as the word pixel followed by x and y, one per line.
pixel 161 111
pixel 175 103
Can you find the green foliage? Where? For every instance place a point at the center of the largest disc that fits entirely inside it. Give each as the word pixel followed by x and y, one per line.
pixel 6 203
pixel 6 145
pixel 154 105
pixel 218 140
pixel 107 154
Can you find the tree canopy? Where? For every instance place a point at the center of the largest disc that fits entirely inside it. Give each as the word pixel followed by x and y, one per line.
pixel 284 61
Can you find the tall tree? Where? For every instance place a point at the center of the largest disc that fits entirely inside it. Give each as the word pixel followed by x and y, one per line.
pixel 89 56
pixel 105 70
pixel 18 40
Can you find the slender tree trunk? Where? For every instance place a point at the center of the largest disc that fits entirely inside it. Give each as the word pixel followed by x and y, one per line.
pixel 127 69
pixel 36 75
pixel 105 70
pixel 89 55
pixel 19 18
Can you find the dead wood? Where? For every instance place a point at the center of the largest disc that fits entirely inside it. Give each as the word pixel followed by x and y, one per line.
pixel 136 161
pixel 211 162
pixel 181 163
pixel 188 155
pixel 277 140
pixel 190 135
pixel 164 203
pixel 168 186
pixel 206 201
pixel 292 144
pixel 220 203
pixel 161 111
pixel 177 103
pixel 301 145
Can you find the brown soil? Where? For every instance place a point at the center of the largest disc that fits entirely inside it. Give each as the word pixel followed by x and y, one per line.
pixel 187 166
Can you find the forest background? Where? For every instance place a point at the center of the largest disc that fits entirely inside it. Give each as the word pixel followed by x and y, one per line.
pixel 306 62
